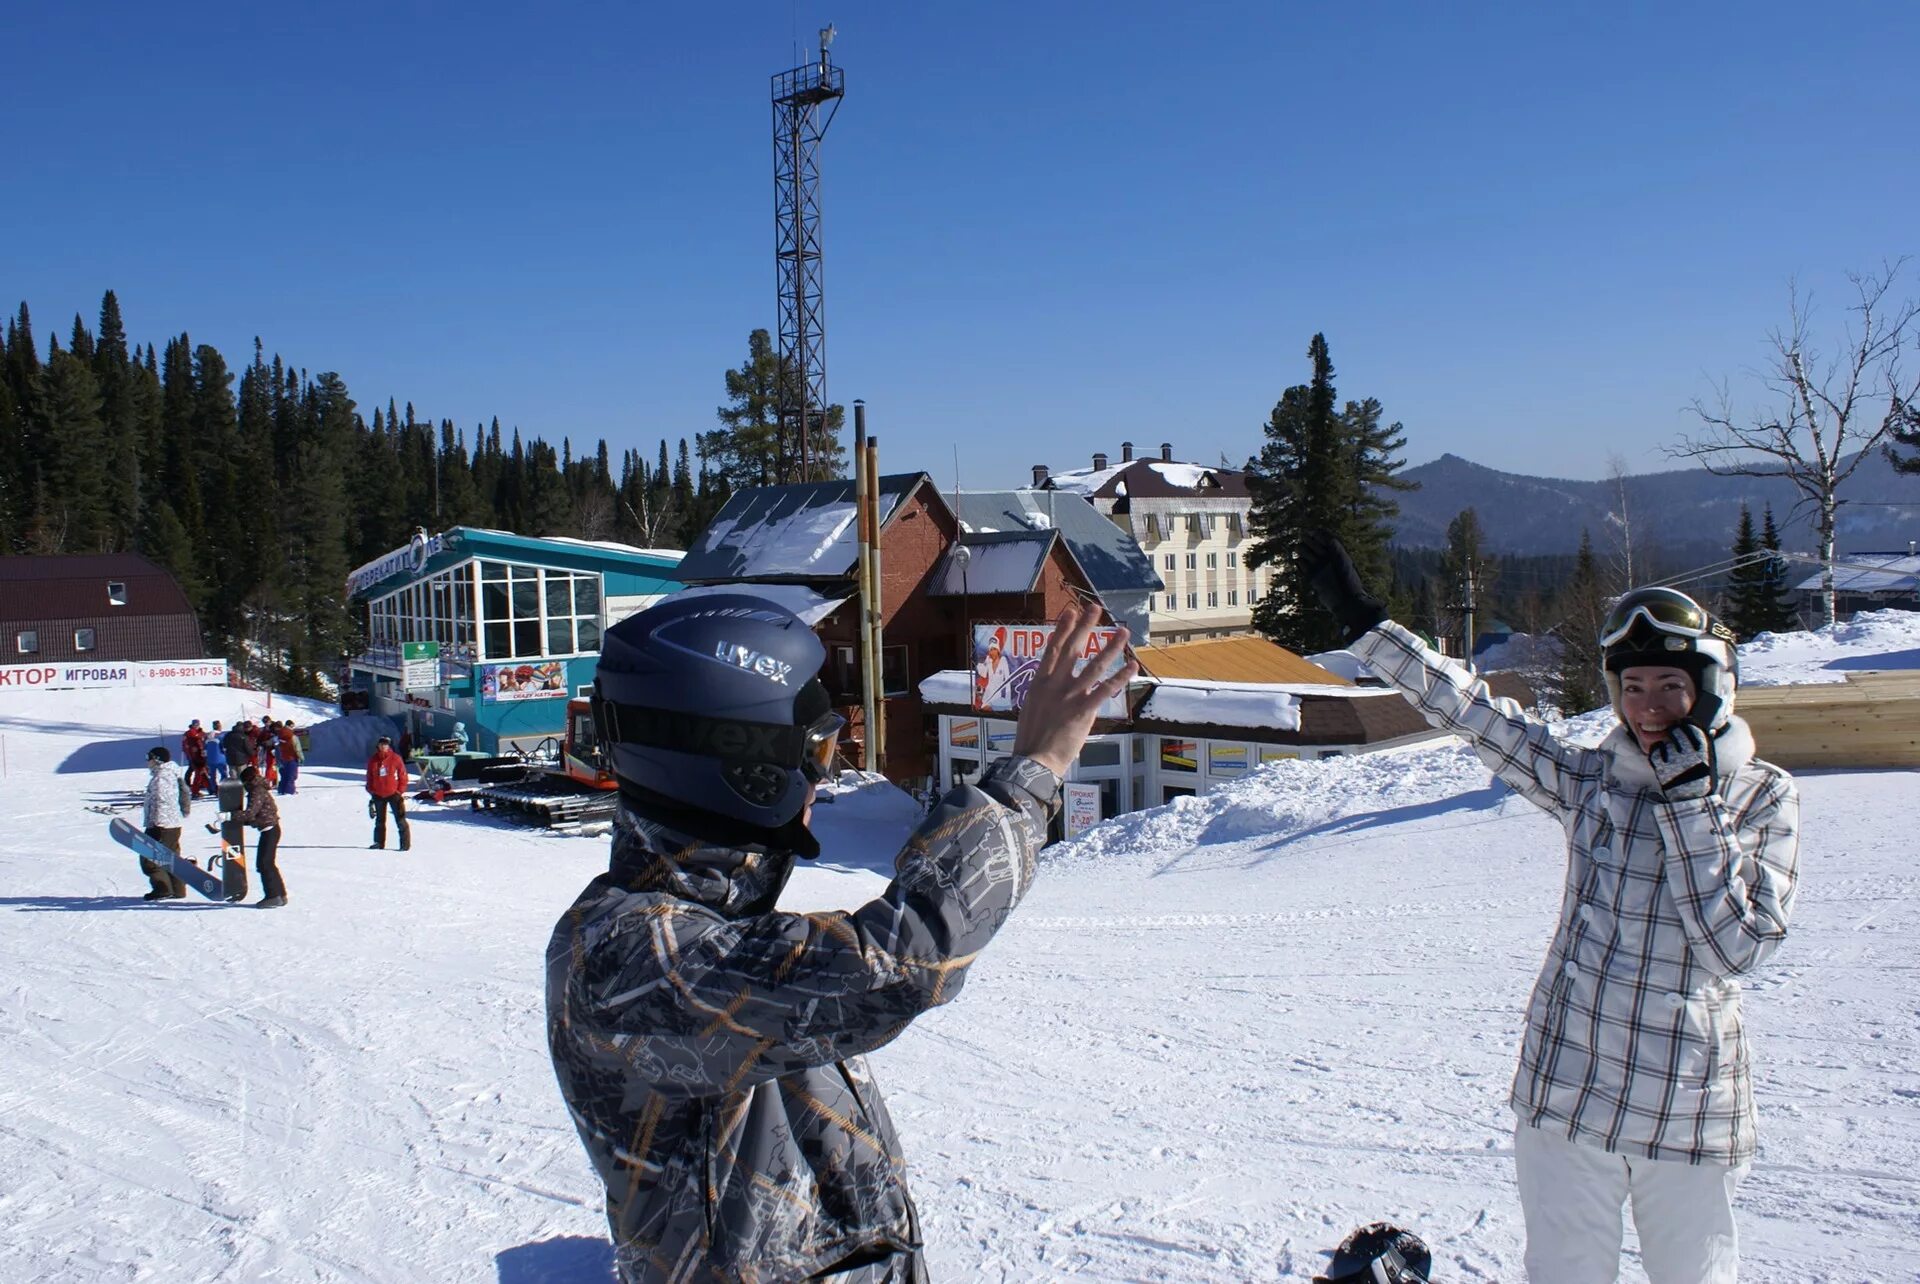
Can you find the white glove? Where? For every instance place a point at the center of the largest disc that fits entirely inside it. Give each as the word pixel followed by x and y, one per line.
pixel 1683 763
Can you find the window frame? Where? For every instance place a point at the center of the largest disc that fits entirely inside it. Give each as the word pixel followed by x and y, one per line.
pixel 22 639
pixel 92 635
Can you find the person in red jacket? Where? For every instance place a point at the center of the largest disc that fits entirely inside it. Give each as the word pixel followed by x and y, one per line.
pixel 193 748
pixel 387 785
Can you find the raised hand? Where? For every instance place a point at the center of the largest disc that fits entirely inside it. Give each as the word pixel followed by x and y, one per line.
pixel 1060 705
pixel 1684 763
pixel 1330 571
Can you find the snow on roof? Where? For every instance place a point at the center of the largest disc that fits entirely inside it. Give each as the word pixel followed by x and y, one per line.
pixel 1111 559
pixel 1869 573
pixel 948 686
pixel 1267 705
pixel 1008 563
pixel 1176 474
pixel 1083 481
pixel 613 546
pixel 803 531
pixel 804 602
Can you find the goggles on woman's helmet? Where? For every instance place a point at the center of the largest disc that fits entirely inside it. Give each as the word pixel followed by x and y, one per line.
pixel 1661 610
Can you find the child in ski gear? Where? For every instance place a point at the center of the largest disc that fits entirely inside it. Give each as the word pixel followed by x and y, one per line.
pixel 216 753
pixel 291 757
pixel 387 790
pixel 1635 1078
pixel 263 813
pixel 167 805
pixel 709 1045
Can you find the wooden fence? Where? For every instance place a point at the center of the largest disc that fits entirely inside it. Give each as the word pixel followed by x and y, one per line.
pixel 1870 720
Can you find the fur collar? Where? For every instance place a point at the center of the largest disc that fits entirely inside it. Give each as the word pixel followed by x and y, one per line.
pixel 1732 750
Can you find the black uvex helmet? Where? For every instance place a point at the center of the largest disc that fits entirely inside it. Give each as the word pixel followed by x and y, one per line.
pixel 709 703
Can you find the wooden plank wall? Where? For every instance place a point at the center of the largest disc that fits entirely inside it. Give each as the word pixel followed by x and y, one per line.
pixel 1870 720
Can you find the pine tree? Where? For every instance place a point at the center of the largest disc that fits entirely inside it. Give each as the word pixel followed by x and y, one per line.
pixel 1301 482
pixel 73 511
pixel 1775 613
pixel 114 374
pixel 1370 449
pixel 1582 606
pixel 1741 608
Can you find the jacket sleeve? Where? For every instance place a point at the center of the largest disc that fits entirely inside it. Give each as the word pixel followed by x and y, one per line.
pixel 1733 871
pixel 1517 748
pixel 698 1004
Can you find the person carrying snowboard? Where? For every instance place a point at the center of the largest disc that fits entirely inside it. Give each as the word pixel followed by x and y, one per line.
pixel 709 1046
pixel 263 813
pixel 166 806
pixel 387 792
pixel 1635 1078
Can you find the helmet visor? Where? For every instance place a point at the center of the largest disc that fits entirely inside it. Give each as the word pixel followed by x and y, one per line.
pixel 1662 610
pixel 822 743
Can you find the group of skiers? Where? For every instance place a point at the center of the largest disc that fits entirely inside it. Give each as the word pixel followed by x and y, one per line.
pixel 167 803
pixel 709 1046
pixel 271 747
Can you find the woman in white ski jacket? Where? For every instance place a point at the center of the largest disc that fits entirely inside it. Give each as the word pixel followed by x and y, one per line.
pixel 1635 1077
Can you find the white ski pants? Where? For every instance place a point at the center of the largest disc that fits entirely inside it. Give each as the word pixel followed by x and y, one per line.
pixel 1572 1195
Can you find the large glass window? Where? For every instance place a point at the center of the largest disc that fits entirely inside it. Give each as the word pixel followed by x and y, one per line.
pixel 531 611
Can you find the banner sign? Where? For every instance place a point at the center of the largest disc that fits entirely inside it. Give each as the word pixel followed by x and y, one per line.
pixel 419 665
pixel 1083 807
pixel 1006 657
pixel 1226 760
pixel 113 673
pixel 544 681
pixel 409 559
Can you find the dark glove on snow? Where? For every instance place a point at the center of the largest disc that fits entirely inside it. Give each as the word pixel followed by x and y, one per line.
pixel 1683 763
pixel 1331 573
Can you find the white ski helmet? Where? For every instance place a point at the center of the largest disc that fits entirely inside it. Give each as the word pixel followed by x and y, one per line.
pixel 1663 627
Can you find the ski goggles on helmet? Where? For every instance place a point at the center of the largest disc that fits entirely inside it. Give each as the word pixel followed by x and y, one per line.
pixel 1660 610
pixel 809 749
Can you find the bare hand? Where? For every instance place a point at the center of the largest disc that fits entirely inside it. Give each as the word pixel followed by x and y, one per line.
pixel 1060 705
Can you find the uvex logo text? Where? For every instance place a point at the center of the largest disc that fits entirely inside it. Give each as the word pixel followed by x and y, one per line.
pixel 744 657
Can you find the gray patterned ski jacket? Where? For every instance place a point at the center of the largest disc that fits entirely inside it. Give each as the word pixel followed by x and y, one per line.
pixel 1634 1040
pixel 710 1054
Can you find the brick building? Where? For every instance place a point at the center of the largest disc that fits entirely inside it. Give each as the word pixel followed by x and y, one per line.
pixel 799 546
pixel 94 606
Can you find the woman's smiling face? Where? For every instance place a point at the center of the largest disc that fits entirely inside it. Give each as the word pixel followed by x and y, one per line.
pixel 1652 699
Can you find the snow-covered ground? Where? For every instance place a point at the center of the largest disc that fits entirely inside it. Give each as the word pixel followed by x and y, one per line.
pixel 1217 1035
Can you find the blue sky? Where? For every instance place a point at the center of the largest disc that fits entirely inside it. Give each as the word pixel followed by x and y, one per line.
pixel 1535 236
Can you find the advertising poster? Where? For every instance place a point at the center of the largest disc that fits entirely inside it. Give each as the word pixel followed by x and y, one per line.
pixel 1226 760
pixel 544 681
pixel 1179 755
pixel 1083 807
pixel 1006 656
pixel 1278 755
pixel 966 733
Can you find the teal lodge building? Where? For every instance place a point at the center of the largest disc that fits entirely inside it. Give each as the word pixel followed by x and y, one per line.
pixel 516 621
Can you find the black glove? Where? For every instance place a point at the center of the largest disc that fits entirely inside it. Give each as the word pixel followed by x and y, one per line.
pixel 1330 571
pixel 1683 763
pixel 373 808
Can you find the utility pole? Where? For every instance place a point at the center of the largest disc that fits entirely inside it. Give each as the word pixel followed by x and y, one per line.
pixel 1466 619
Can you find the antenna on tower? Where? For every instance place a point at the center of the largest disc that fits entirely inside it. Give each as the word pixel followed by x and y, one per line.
pixel 798 126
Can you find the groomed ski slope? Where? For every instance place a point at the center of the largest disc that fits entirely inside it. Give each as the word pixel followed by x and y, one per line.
pixel 1215 1037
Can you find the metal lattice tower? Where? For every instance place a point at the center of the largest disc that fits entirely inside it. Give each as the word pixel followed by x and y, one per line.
pixel 798 127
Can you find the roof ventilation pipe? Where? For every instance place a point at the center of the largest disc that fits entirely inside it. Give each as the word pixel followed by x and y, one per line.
pixel 1166 452
pixel 1126 452
pixel 1099 460
pixel 1039 476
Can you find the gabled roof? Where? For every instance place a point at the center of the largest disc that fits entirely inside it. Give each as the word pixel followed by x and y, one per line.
pixel 1108 555
pixel 74 587
pixel 1152 479
pixel 1233 659
pixel 797 533
pixel 1006 562
pixel 1869 573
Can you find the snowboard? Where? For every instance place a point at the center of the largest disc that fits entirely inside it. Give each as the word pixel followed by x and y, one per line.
pixel 203 881
pixel 232 797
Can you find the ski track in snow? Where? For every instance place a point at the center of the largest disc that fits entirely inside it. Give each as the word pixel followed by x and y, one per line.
pixel 1216 1037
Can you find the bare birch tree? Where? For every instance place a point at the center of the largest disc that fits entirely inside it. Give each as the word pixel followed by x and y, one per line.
pixel 1828 413
pixel 1620 520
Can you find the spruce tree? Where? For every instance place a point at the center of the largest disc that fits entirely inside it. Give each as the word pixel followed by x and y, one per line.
pixel 74 517
pixel 115 375
pixel 1582 607
pixel 1742 608
pixel 1776 613
pixel 1302 481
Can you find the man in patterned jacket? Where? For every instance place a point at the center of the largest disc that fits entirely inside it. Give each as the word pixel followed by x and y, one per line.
pixel 1635 1078
pixel 708 1045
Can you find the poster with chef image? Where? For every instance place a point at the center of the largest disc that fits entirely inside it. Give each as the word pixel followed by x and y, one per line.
pixel 1006 657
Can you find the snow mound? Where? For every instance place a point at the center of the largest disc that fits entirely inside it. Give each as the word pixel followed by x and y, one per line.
pixel 1887 639
pixel 1284 800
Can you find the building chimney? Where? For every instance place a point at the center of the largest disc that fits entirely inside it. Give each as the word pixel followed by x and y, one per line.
pixel 1039 476
pixel 1126 452
pixel 1099 460
pixel 1166 451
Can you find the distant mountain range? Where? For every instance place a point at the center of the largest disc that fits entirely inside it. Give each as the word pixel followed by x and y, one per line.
pixel 1685 511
